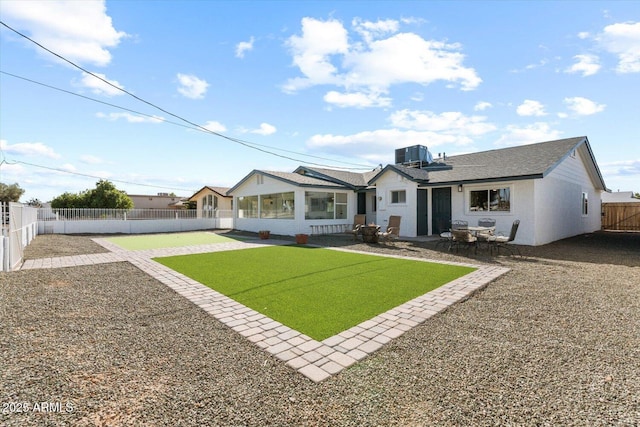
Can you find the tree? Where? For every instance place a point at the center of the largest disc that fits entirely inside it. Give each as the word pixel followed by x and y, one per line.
pixel 10 193
pixel 104 196
pixel 69 200
pixel 34 202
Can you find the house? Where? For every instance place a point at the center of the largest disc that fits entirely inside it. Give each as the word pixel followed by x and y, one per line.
pixel 158 201
pixel 619 197
pixel 211 199
pixel 554 188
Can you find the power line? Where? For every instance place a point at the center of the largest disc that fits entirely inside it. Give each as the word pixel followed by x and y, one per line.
pixel 98 177
pixel 236 140
pixel 162 119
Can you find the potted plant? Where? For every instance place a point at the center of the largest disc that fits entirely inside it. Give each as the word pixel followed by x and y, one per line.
pixel 264 234
pixel 302 238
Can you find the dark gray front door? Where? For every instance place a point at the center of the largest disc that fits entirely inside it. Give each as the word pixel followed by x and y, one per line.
pixel 362 203
pixel 422 226
pixel 440 209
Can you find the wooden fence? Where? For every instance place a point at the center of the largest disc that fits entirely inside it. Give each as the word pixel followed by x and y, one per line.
pixel 621 216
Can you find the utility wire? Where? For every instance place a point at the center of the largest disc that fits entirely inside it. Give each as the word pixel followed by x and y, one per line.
pixel 162 119
pixel 98 177
pixel 236 140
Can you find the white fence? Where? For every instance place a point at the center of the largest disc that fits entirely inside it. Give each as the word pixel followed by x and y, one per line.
pixel 19 227
pixel 129 221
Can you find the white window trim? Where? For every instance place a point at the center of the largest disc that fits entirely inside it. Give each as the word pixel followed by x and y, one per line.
pixel 467 200
pixel 391 203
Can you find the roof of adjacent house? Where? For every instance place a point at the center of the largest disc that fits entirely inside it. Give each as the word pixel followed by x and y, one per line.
pixel 222 191
pixel 520 162
pixel 619 197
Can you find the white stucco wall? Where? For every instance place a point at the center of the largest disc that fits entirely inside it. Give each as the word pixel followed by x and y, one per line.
pixel 522 208
pixel 558 200
pixel 286 227
pixel 387 183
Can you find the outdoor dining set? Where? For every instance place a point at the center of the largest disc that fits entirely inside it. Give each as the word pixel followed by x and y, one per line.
pixel 460 234
pixel 463 234
pixel 372 233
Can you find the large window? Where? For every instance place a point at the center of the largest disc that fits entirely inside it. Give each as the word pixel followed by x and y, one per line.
pixel 277 206
pixel 324 205
pixel 399 197
pixel 209 205
pixel 494 200
pixel 248 207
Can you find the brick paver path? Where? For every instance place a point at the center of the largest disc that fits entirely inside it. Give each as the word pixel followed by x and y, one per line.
pixel 316 360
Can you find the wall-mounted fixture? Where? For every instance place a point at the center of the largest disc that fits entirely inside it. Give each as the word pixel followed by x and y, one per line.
pixel 459 188
pixel 379 197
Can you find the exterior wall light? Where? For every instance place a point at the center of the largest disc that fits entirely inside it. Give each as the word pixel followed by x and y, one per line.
pixel 459 188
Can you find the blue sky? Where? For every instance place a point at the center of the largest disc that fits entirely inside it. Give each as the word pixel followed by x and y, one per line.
pixel 337 84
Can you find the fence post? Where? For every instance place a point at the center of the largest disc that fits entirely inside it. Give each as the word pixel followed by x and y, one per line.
pixel 124 216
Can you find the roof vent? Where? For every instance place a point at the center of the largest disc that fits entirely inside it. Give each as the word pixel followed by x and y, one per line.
pixel 415 156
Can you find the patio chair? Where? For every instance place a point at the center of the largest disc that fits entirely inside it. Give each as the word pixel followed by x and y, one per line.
pixel 358 221
pixel 459 225
pixel 483 236
pixel 445 236
pixel 466 238
pixel 499 241
pixel 393 229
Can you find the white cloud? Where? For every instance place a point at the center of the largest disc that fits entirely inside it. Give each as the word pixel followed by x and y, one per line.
pixel 409 128
pixel 99 87
pixel 356 99
pixel 482 105
pixel 325 56
pixel 131 118
pixel 623 40
pixel 91 160
pixel 621 168
pixel 374 30
pixel 449 122
pixel 265 129
pixel 192 86
pixel 214 126
pixel 530 108
pixel 243 47
pixel 312 51
pixel 518 135
pixel 586 64
pixel 80 31
pixel 29 149
pixel 583 106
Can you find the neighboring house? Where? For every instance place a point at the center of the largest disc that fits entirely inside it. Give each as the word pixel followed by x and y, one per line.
pixel 553 188
pixel 619 197
pixel 158 201
pixel 211 199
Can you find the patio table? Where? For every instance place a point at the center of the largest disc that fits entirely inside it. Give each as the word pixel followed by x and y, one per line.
pixel 370 233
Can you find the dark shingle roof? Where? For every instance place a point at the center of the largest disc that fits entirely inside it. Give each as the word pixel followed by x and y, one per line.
pixel 354 180
pixel 524 161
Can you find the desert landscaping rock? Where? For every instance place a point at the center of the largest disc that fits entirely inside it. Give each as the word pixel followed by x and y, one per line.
pixel 556 341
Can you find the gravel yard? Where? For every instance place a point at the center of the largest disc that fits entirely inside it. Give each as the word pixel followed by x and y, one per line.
pixel 556 341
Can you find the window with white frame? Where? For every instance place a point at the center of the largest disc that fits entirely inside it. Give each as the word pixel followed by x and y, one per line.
pixel 490 200
pixel 325 205
pixel 248 207
pixel 585 203
pixel 277 205
pixel 209 205
pixel 399 196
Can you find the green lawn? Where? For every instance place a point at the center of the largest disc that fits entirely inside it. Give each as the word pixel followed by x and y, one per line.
pixel 319 292
pixel 168 240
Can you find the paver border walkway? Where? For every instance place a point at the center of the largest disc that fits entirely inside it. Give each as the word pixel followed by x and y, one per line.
pixel 317 360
